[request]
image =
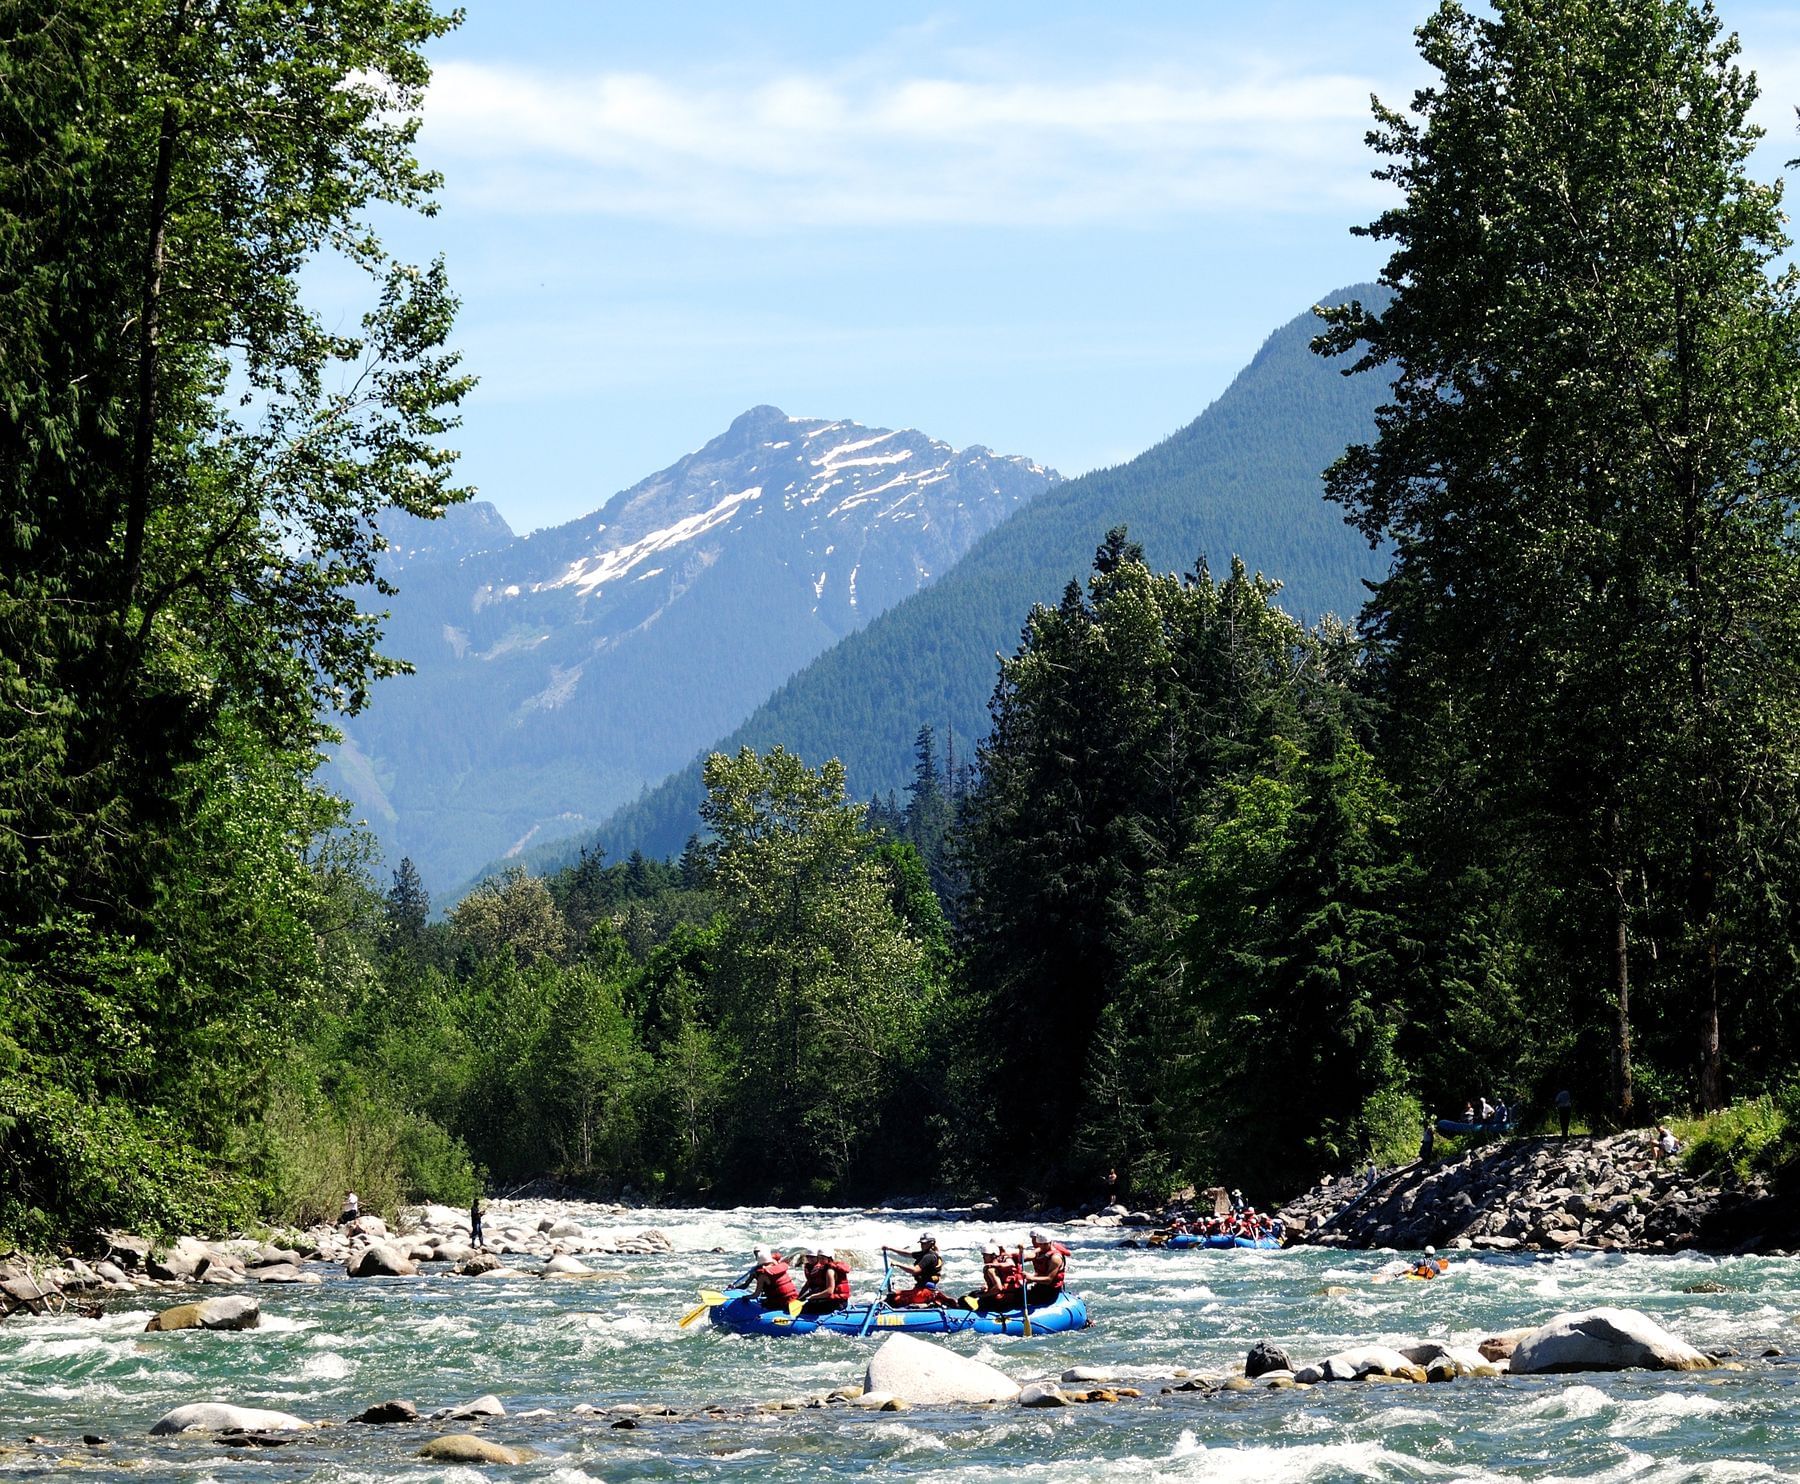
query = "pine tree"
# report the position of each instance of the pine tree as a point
(1594, 614)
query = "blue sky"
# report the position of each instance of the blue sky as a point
(1056, 229)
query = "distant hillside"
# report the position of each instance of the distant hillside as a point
(560, 673)
(1242, 478)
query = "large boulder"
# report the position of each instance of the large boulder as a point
(1265, 1357)
(235, 1312)
(223, 1417)
(567, 1267)
(1605, 1340)
(924, 1374)
(464, 1447)
(483, 1406)
(380, 1261)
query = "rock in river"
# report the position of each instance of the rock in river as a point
(380, 1261)
(220, 1313)
(463, 1447)
(223, 1417)
(1605, 1340)
(1265, 1357)
(928, 1375)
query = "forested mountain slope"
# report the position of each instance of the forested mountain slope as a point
(560, 673)
(1242, 479)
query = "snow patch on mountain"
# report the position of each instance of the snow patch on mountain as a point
(590, 574)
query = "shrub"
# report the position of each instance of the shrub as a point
(75, 1167)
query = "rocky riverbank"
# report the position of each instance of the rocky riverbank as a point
(519, 1237)
(1542, 1194)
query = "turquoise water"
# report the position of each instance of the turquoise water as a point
(327, 1352)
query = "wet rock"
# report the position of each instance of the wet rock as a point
(567, 1267)
(129, 1252)
(220, 1313)
(1459, 1360)
(1498, 1347)
(1084, 1373)
(1364, 1360)
(483, 1406)
(462, 1447)
(1605, 1340)
(1706, 1286)
(481, 1262)
(1265, 1357)
(223, 1417)
(383, 1413)
(930, 1375)
(380, 1261)
(1042, 1394)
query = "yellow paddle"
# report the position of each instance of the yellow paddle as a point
(707, 1299)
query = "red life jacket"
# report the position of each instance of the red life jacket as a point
(775, 1275)
(1040, 1266)
(840, 1281)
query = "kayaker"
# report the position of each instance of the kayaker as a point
(999, 1282)
(1430, 1265)
(827, 1286)
(773, 1283)
(927, 1270)
(1049, 1266)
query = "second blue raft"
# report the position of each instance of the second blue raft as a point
(1188, 1239)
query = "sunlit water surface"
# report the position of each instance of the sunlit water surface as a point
(328, 1352)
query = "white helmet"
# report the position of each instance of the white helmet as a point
(761, 1254)
(990, 1249)
(1431, 1252)
(1038, 1237)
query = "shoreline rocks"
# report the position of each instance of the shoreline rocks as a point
(1511, 1194)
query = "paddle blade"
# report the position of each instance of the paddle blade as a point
(691, 1315)
(709, 1298)
(794, 1308)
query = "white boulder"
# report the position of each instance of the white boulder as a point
(924, 1374)
(223, 1417)
(1354, 1364)
(567, 1267)
(1605, 1340)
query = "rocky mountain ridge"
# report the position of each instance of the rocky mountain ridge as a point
(560, 672)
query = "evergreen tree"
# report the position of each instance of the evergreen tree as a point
(1584, 475)
(408, 907)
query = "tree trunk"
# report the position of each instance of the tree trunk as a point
(149, 358)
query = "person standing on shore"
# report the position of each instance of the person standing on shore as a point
(1563, 1104)
(1427, 1140)
(475, 1237)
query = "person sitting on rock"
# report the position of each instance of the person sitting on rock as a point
(771, 1280)
(1000, 1288)
(926, 1269)
(1667, 1145)
(827, 1286)
(1049, 1266)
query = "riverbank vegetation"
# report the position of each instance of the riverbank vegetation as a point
(1222, 898)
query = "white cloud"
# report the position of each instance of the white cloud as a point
(860, 148)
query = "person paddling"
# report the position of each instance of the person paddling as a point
(773, 1283)
(927, 1270)
(1049, 1266)
(1000, 1287)
(827, 1286)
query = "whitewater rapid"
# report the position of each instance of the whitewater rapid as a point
(547, 1348)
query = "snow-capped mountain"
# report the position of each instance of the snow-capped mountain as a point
(561, 672)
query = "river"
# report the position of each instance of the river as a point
(329, 1351)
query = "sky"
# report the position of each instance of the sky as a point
(1055, 229)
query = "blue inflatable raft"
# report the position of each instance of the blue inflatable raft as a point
(1190, 1239)
(743, 1315)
